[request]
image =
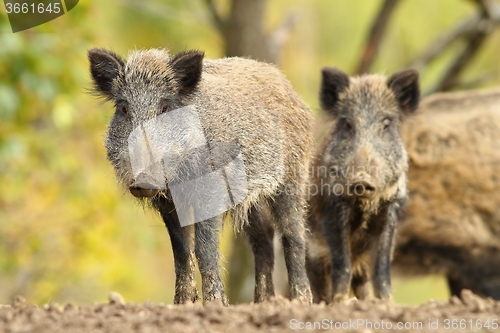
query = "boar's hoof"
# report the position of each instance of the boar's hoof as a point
(340, 298)
(140, 192)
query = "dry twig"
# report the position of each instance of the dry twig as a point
(375, 37)
(474, 31)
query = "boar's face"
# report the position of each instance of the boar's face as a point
(149, 84)
(364, 153)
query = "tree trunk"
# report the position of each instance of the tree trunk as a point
(244, 32)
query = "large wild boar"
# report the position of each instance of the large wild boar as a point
(191, 128)
(452, 225)
(359, 183)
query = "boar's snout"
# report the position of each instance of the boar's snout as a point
(140, 192)
(145, 186)
(362, 185)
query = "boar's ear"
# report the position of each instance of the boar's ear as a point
(333, 82)
(187, 68)
(405, 86)
(105, 66)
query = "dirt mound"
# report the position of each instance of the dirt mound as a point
(470, 314)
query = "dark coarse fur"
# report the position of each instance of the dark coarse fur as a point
(452, 225)
(358, 191)
(238, 101)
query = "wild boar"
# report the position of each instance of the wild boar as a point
(358, 191)
(452, 226)
(192, 128)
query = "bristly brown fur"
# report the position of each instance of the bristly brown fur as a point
(453, 220)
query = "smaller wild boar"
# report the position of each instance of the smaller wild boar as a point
(190, 128)
(358, 192)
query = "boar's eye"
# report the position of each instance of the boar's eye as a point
(164, 109)
(347, 125)
(387, 122)
(121, 108)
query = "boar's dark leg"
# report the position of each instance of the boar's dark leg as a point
(455, 285)
(183, 248)
(289, 213)
(207, 253)
(261, 233)
(384, 249)
(336, 230)
(319, 274)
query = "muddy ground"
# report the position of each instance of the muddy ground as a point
(471, 314)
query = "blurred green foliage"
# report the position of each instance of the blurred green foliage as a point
(68, 232)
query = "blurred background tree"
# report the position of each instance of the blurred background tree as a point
(68, 232)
